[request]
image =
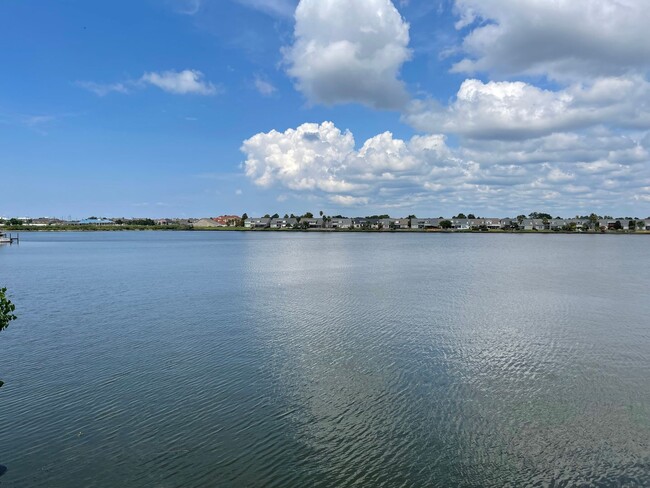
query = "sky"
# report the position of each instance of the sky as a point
(196, 108)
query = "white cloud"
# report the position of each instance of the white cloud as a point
(180, 82)
(348, 201)
(514, 110)
(349, 52)
(264, 87)
(278, 8)
(186, 7)
(559, 172)
(101, 90)
(177, 82)
(562, 39)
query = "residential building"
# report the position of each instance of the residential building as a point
(424, 224)
(533, 224)
(257, 223)
(395, 224)
(227, 220)
(313, 223)
(284, 223)
(337, 223)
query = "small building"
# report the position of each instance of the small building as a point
(311, 223)
(556, 224)
(284, 223)
(227, 220)
(614, 224)
(395, 224)
(493, 223)
(340, 223)
(533, 224)
(257, 223)
(425, 224)
(362, 223)
(463, 224)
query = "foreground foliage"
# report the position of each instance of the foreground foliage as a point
(6, 313)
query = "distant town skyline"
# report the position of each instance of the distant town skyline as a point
(196, 108)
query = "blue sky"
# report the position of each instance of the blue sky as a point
(198, 108)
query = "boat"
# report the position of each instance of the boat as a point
(5, 239)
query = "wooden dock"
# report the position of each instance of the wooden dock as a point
(9, 239)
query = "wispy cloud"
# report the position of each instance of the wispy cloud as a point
(37, 120)
(277, 8)
(186, 7)
(103, 89)
(186, 82)
(264, 87)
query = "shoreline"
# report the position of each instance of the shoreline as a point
(28, 229)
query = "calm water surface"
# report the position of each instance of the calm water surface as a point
(151, 359)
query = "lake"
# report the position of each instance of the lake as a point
(230, 359)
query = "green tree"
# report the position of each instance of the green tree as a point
(460, 216)
(640, 225)
(308, 215)
(275, 216)
(445, 224)
(14, 222)
(471, 216)
(6, 313)
(143, 222)
(243, 219)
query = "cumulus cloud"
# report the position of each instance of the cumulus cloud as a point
(562, 39)
(516, 110)
(184, 82)
(349, 52)
(563, 172)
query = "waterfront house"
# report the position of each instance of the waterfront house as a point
(578, 224)
(492, 223)
(424, 224)
(313, 223)
(206, 224)
(614, 224)
(361, 223)
(339, 223)
(394, 224)
(465, 224)
(257, 223)
(284, 223)
(533, 224)
(227, 220)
